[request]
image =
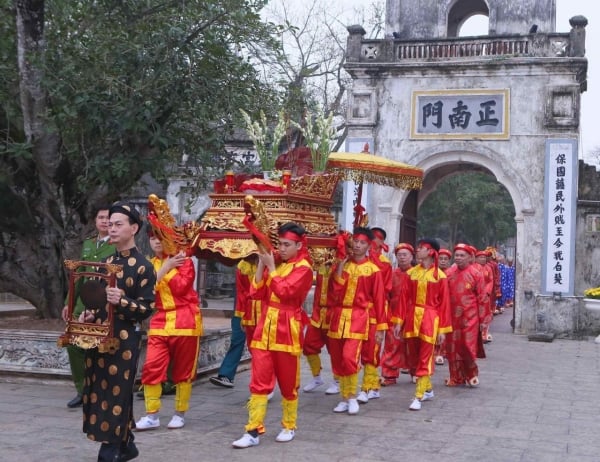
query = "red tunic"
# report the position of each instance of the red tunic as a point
(352, 295)
(425, 304)
(320, 313)
(283, 292)
(177, 307)
(468, 302)
(245, 307)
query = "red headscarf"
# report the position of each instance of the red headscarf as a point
(404, 245)
(466, 247)
(303, 252)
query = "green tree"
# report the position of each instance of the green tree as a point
(470, 207)
(95, 94)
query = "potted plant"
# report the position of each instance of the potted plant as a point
(592, 299)
(265, 143)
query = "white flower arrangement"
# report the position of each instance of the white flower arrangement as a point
(266, 147)
(318, 137)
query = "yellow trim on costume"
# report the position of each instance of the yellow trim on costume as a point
(354, 271)
(169, 329)
(268, 339)
(344, 327)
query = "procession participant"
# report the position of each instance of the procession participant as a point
(109, 377)
(173, 336)
(488, 280)
(425, 317)
(243, 322)
(95, 248)
(356, 285)
(444, 263)
(371, 348)
(469, 305)
(316, 332)
(393, 358)
(507, 284)
(277, 342)
(491, 258)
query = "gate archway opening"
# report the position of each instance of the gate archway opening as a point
(471, 205)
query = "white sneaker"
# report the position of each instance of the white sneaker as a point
(428, 395)
(362, 397)
(315, 383)
(177, 421)
(270, 396)
(246, 441)
(333, 389)
(415, 405)
(373, 394)
(353, 406)
(285, 435)
(341, 407)
(473, 382)
(147, 423)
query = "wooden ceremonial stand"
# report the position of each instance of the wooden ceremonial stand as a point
(93, 295)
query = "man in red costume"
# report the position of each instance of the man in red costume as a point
(246, 307)
(277, 342)
(355, 287)
(243, 322)
(425, 317)
(487, 274)
(445, 264)
(394, 350)
(173, 336)
(469, 304)
(316, 332)
(371, 348)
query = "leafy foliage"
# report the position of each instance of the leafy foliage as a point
(121, 88)
(471, 208)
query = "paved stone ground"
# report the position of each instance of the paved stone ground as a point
(537, 402)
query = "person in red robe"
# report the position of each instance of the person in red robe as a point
(173, 336)
(371, 348)
(277, 342)
(316, 332)
(393, 358)
(446, 265)
(470, 312)
(356, 285)
(247, 308)
(425, 317)
(488, 278)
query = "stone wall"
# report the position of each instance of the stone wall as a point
(36, 353)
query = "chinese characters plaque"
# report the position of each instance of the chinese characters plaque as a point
(560, 205)
(460, 114)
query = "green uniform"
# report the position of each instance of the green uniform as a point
(93, 250)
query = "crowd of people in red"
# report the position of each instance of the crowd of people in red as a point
(372, 316)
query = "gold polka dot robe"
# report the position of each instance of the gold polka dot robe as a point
(109, 378)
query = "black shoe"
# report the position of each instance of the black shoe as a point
(75, 402)
(109, 453)
(221, 381)
(130, 451)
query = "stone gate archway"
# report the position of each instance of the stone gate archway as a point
(455, 160)
(507, 103)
